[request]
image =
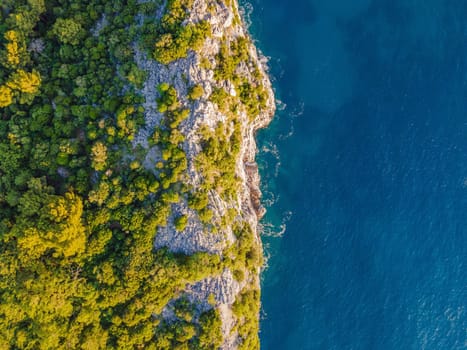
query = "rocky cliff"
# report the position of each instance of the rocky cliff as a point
(246, 104)
(128, 185)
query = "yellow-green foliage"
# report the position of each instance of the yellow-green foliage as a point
(218, 158)
(229, 57)
(172, 46)
(79, 211)
(222, 99)
(15, 56)
(181, 222)
(174, 39)
(195, 92)
(205, 334)
(99, 156)
(251, 92)
(253, 97)
(68, 31)
(13, 48)
(100, 195)
(126, 121)
(246, 308)
(49, 223)
(25, 82)
(6, 96)
(168, 100)
(136, 76)
(20, 82)
(245, 253)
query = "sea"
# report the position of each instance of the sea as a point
(364, 174)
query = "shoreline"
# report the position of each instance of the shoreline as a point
(228, 26)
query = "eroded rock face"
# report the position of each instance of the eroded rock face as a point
(196, 236)
(223, 288)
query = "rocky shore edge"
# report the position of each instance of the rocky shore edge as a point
(227, 26)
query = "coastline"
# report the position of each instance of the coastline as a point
(129, 181)
(227, 26)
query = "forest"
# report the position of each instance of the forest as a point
(79, 211)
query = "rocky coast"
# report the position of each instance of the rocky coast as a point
(198, 69)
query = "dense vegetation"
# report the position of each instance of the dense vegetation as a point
(78, 211)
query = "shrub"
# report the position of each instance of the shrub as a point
(195, 92)
(175, 45)
(181, 222)
(168, 100)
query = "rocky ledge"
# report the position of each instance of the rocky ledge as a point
(199, 69)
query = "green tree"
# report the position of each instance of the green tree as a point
(181, 222)
(6, 96)
(99, 156)
(25, 82)
(68, 31)
(50, 222)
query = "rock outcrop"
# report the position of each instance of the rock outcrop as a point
(198, 69)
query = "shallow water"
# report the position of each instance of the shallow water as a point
(366, 167)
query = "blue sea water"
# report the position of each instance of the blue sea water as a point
(365, 166)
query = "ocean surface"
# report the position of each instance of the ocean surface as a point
(364, 172)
